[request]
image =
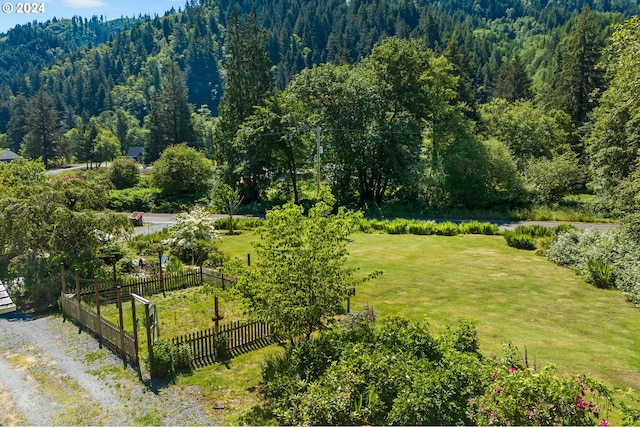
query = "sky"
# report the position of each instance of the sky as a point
(110, 9)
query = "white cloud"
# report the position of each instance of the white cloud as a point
(83, 4)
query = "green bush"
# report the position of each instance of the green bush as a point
(124, 173)
(519, 241)
(397, 373)
(133, 199)
(422, 228)
(160, 361)
(477, 227)
(535, 230)
(600, 273)
(182, 356)
(239, 223)
(448, 229)
(525, 397)
(397, 226)
(221, 347)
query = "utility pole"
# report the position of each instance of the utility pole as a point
(318, 131)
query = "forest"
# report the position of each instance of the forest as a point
(454, 104)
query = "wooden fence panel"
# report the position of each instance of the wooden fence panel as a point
(240, 336)
(120, 342)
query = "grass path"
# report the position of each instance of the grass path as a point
(514, 296)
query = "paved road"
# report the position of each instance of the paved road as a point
(158, 221)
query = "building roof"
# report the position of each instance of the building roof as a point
(135, 151)
(136, 215)
(7, 155)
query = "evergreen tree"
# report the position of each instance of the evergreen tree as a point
(513, 81)
(177, 111)
(42, 126)
(249, 82)
(169, 122)
(579, 75)
(17, 125)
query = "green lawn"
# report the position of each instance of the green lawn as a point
(513, 295)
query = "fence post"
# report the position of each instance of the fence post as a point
(201, 262)
(223, 288)
(99, 319)
(249, 260)
(161, 279)
(148, 327)
(78, 297)
(64, 281)
(135, 333)
(121, 323)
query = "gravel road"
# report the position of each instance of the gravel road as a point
(50, 374)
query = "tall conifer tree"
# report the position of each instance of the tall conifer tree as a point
(579, 75)
(249, 82)
(42, 124)
(513, 81)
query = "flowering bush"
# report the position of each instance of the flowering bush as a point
(524, 397)
(397, 373)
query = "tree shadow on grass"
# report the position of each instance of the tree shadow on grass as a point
(258, 415)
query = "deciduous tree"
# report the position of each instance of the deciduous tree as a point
(182, 170)
(300, 281)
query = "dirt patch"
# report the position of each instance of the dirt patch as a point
(9, 415)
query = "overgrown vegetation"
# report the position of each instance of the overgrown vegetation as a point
(605, 259)
(397, 372)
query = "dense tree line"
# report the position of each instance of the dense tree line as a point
(472, 104)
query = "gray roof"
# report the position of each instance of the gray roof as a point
(135, 151)
(7, 155)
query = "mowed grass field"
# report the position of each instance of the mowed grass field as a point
(513, 296)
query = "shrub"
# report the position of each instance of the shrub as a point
(525, 397)
(125, 265)
(133, 199)
(397, 226)
(422, 227)
(182, 356)
(160, 361)
(600, 273)
(221, 347)
(124, 173)
(564, 249)
(519, 240)
(477, 227)
(605, 259)
(535, 230)
(239, 223)
(448, 229)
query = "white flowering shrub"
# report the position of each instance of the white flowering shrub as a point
(606, 259)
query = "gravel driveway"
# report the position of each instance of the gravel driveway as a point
(50, 374)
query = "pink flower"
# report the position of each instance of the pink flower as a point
(604, 422)
(512, 370)
(494, 375)
(581, 404)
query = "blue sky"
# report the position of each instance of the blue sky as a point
(111, 9)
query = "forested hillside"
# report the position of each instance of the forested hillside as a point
(472, 103)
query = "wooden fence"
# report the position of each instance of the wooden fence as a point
(240, 337)
(213, 278)
(151, 285)
(115, 338)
